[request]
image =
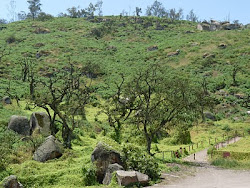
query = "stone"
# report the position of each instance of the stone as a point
(11, 182)
(20, 124)
(222, 46)
(102, 156)
(108, 176)
(208, 55)
(6, 100)
(142, 178)
(170, 54)
(41, 30)
(210, 116)
(248, 112)
(152, 48)
(125, 178)
(40, 121)
(50, 149)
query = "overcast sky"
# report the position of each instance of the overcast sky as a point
(205, 9)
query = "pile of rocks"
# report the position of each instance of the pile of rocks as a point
(108, 161)
(214, 25)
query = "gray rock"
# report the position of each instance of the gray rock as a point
(6, 100)
(19, 124)
(210, 116)
(50, 149)
(152, 48)
(108, 176)
(125, 178)
(142, 178)
(103, 155)
(40, 121)
(11, 182)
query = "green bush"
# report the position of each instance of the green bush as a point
(135, 158)
(89, 175)
(181, 136)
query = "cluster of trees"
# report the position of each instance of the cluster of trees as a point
(153, 98)
(156, 9)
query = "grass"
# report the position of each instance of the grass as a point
(71, 37)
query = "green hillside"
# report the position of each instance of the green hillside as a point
(213, 68)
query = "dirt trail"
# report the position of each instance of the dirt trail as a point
(205, 176)
(201, 156)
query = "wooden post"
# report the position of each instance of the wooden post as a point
(189, 148)
(194, 156)
(209, 141)
(223, 136)
(192, 146)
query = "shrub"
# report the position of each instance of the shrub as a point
(89, 175)
(136, 159)
(181, 136)
(44, 17)
(11, 39)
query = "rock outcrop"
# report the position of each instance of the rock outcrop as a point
(103, 155)
(11, 182)
(214, 25)
(50, 149)
(40, 121)
(19, 124)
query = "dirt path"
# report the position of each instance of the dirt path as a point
(201, 156)
(206, 176)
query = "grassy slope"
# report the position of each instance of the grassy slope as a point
(70, 37)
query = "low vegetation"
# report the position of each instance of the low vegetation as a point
(142, 85)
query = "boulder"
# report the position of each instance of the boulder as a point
(6, 100)
(50, 149)
(41, 30)
(103, 155)
(125, 178)
(40, 121)
(19, 124)
(170, 54)
(108, 176)
(152, 48)
(222, 46)
(208, 55)
(11, 182)
(210, 116)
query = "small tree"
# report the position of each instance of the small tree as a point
(156, 9)
(34, 7)
(66, 94)
(159, 100)
(98, 6)
(138, 11)
(192, 17)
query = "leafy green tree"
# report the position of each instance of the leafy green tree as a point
(34, 8)
(64, 94)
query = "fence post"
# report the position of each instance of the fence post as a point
(194, 156)
(209, 141)
(189, 148)
(192, 146)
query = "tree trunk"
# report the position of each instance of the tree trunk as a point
(66, 135)
(149, 141)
